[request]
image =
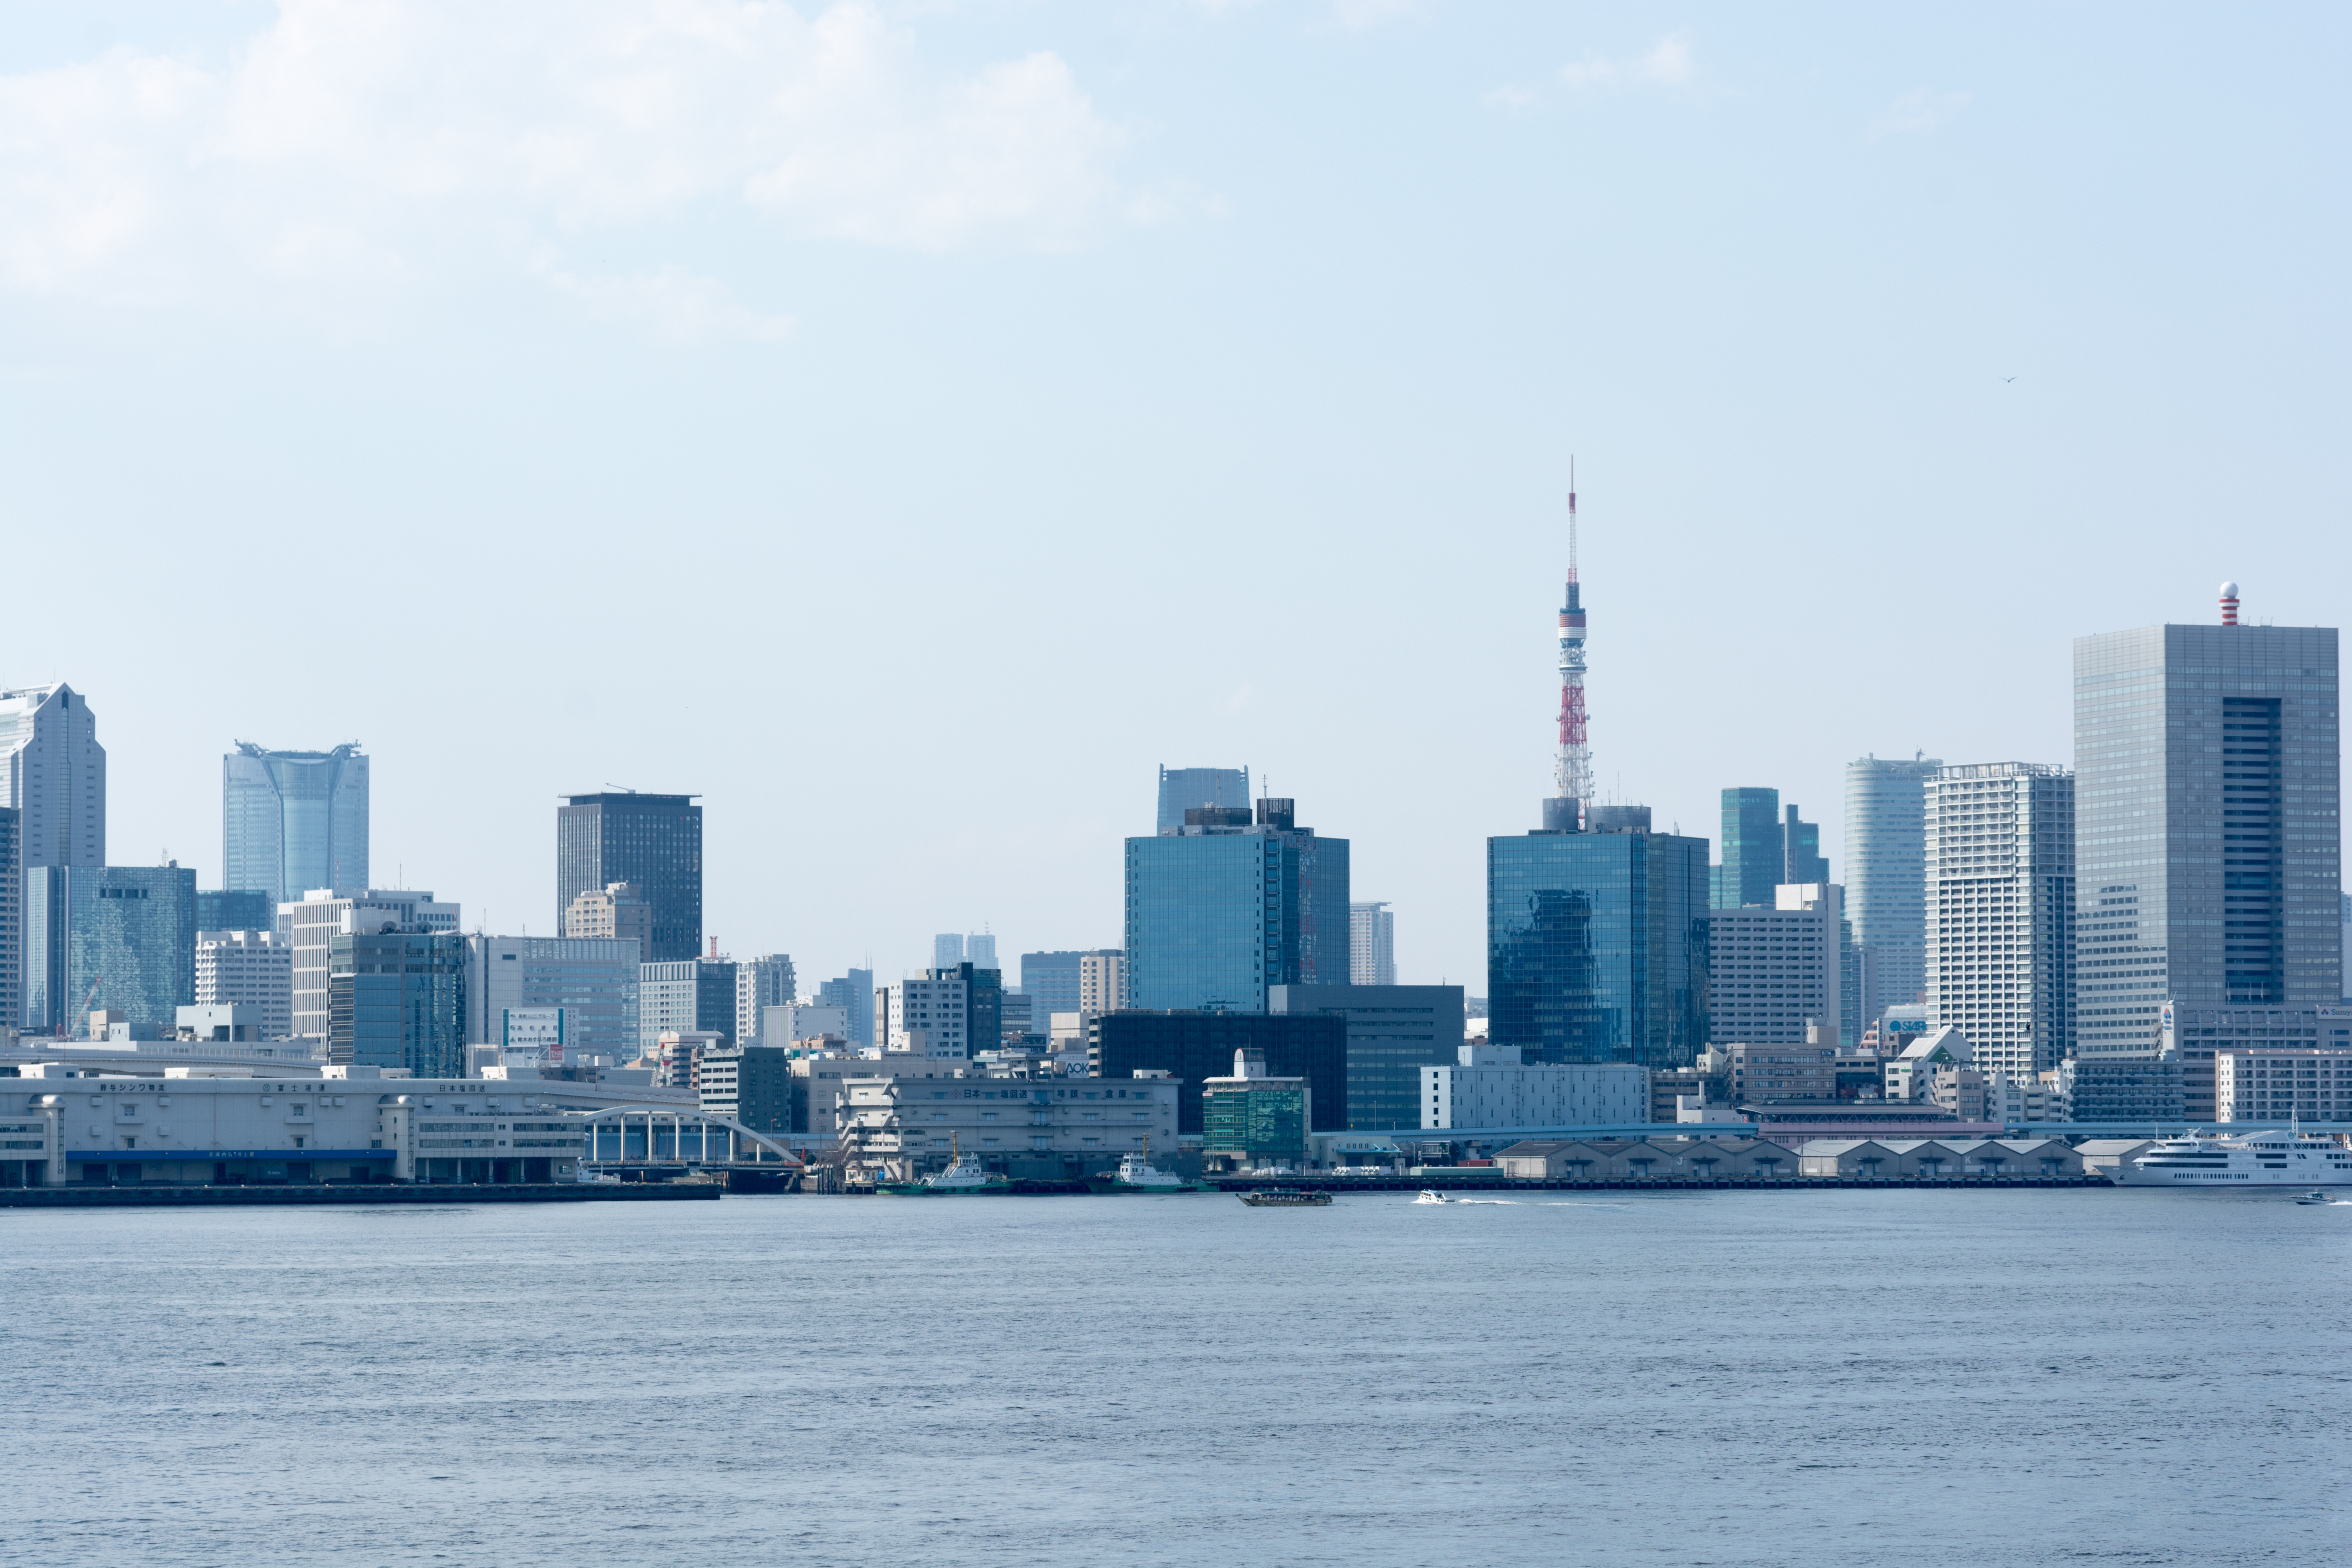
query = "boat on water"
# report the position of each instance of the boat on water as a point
(1429, 1196)
(1277, 1198)
(1137, 1173)
(965, 1176)
(2292, 1158)
(2315, 1197)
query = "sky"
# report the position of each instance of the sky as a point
(907, 427)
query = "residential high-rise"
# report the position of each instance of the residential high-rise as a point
(760, 983)
(1773, 973)
(249, 966)
(2208, 848)
(932, 1015)
(652, 841)
(2001, 927)
(293, 821)
(684, 996)
(1597, 946)
(311, 926)
(1102, 982)
(594, 980)
(396, 997)
(121, 938)
(1222, 907)
(853, 994)
(234, 908)
(53, 771)
(611, 913)
(1184, 789)
(1754, 858)
(1371, 945)
(1886, 876)
(1801, 858)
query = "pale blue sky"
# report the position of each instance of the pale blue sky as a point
(906, 425)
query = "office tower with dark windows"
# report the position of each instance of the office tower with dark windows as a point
(1192, 1046)
(685, 995)
(1393, 1032)
(652, 841)
(1226, 904)
(2000, 913)
(853, 994)
(117, 938)
(1886, 877)
(1371, 948)
(12, 922)
(2208, 847)
(1801, 858)
(294, 821)
(1597, 946)
(1753, 856)
(396, 998)
(235, 909)
(1186, 789)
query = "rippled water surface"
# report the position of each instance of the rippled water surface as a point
(1822, 1378)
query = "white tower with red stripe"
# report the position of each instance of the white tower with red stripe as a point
(1573, 776)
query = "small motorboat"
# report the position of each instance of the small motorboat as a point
(2314, 1197)
(1430, 1197)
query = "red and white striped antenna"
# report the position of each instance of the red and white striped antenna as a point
(1573, 775)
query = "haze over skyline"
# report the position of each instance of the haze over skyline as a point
(907, 427)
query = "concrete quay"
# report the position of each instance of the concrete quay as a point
(370, 1194)
(1450, 1183)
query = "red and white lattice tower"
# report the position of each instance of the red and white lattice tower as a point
(1575, 769)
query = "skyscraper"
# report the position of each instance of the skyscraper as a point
(947, 949)
(1800, 851)
(654, 841)
(594, 980)
(760, 984)
(234, 908)
(1223, 906)
(12, 920)
(685, 995)
(396, 997)
(53, 770)
(1187, 788)
(251, 966)
(2208, 847)
(1754, 858)
(294, 821)
(1372, 946)
(1886, 876)
(312, 924)
(853, 994)
(1771, 973)
(1102, 982)
(122, 938)
(2001, 924)
(980, 950)
(1597, 946)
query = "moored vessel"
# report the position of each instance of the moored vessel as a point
(965, 1176)
(1137, 1173)
(2292, 1158)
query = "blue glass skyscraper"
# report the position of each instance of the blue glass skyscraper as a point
(121, 938)
(1597, 946)
(1223, 905)
(293, 821)
(1184, 789)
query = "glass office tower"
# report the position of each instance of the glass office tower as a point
(235, 909)
(1597, 947)
(1223, 905)
(294, 821)
(396, 998)
(654, 841)
(1754, 856)
(121, 938)
(2207, 849)
(1181, 789)
(1886, 878)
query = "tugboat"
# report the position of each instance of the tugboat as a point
(1138, 1174)
(963, 1178)
(1285, 1198)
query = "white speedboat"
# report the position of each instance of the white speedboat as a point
(1427, 1196)
(2254, 1159)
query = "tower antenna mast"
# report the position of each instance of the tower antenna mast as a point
(1573, 775)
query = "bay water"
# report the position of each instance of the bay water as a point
(1816, 1377)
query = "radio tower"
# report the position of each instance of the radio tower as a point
(1573, 775)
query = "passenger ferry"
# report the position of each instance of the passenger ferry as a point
(2290, 1159)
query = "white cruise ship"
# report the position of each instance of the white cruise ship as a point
(2274, 1159)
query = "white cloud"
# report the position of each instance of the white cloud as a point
(361, 144)
(1915, 113)
(1667, 63)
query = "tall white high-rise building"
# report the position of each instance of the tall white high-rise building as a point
(2001, 949)
(311, 927)
(762, 983)
(53, 770)
(253, 967)
(1885, 871)
(928, 1015)
(1773, 972)
(1102, 982)
(1371, 944)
